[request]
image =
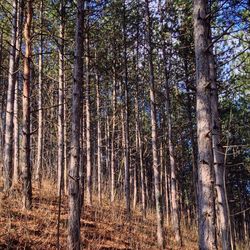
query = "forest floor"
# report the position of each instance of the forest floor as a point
(102, 227)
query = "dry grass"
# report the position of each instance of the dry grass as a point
(102, 227)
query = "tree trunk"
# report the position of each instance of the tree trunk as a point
(88, 121)
(26, 163)
(174, 200)
(113, 135)
(218, 156)
(99, 140)
(126, 120)
(40, 105)
(206, 219)
(16, 173)
(60, 181)
(8, 140)
(158, 198)
(74, 194)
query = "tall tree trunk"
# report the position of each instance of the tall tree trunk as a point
(207, 236)
(126, 120)
(158, 198)
(174, 200)
(16, 172)
(88, 118)
(40, 105)
(218, 156)
(99, 140)
(113, 135)
(26, 163)
(60, 181)
(8, 140)
(74, 192)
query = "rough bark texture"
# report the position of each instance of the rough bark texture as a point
(73, 189)
(206, 220)
(218, 155)
(158, 198)
(8, 146)
(26, 164)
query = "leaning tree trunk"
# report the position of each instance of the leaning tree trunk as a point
(73, 183)
(158, 198)
(60, 177)
(218, 154)
(8, 146)
(206, 221)
(26, 163)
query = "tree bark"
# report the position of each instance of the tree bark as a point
(206, 221)
(8, 140)
(40, 105)
(218, 157)
(60, 181)
(26, 163)
(74, 192)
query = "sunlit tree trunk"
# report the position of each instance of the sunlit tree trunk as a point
(8, 140)
(125, 116)
(99, 140)
(218, 156)
(74, 192)
(40, 105)
(158, 198)
(16, 173)
(26, 163)
(206, 219)
(88, 120)
(60, 181)
(113, 136)
(174, 201)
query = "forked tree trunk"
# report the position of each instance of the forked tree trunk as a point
(26, 163)
(77, 96)
(206, 219)
(8, 140)
(158, 198)
(40, 105)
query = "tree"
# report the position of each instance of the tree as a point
(73, 188)
(206, 220)
(158, 198)
(26, 164)
(8, 146)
